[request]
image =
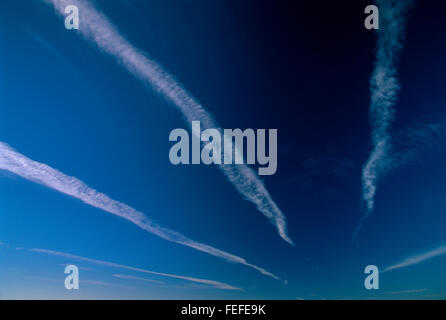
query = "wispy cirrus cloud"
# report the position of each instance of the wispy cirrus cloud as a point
(18, 164)
(384, 88)
(418, 258)
(95, 27)
(411, 144)
(416, 141)
(419, 139)
(216, 284)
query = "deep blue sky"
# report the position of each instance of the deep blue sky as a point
(303, 69)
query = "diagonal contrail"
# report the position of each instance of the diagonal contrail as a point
(125, 276)
(16, 163)
(96, 28)
(418, 258)
(384, 87)
(216, 284)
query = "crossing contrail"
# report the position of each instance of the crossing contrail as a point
(384, 87)
(18, 164)
(95, 27)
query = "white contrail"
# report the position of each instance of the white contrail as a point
(125, 276)
(384, 87)
(407, 291)
(96, 28)
(16, 163)
(418, 258)
(216, 284)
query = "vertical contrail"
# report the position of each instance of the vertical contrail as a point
(96, 28)
(384, 87)
(18, 164)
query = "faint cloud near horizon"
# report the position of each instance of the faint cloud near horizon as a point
(407, 291)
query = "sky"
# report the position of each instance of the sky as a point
(139, 227)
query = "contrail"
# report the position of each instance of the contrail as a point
(384, 87)
(418, 258)
(407, 291)
(216, 284)
(16, 163)
(95, 27)
(125, 276)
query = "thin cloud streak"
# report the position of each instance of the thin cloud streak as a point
(407, 291)
(95, 27)
(124, 276)
(384, 88)
(40, 173)
(416, 259)
(216, 284)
